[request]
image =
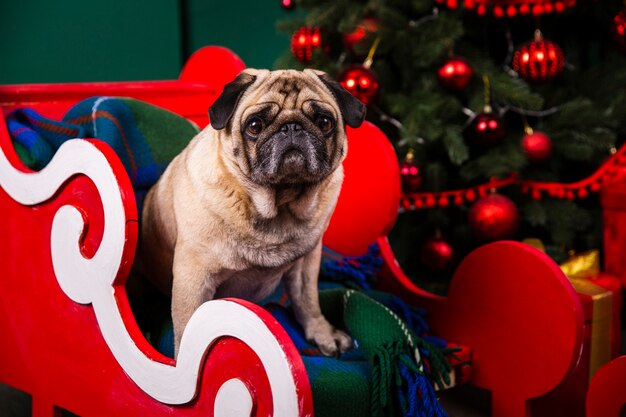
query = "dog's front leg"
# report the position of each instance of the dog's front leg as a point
(301, 284)
(194, 283)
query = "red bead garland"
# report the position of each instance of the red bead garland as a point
(511, 8)
(613, 170)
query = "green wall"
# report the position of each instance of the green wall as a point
(245, 26)
(114, 40)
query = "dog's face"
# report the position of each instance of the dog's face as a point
(285, 127)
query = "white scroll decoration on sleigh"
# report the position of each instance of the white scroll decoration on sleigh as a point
(90, 281)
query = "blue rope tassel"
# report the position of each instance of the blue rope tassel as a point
(353, 271)
(416, 393)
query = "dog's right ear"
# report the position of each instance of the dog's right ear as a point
(222, 110)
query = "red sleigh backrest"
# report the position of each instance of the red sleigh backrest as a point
(190, 95)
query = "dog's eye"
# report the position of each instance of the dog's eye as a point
(254, 126)
(325, 123)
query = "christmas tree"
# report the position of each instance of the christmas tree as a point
(505, 115)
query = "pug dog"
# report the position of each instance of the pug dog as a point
(246, 203)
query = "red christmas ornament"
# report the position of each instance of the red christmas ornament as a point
(368, 25)
(485, 130)
(618, 29)
(288, 4)
(361, 82)
(410, 175)
(437, 254)
(493, 217)
(537, 146)
(455, 74)
(303, 41)
(539, 60)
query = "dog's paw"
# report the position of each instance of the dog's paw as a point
(329, 340)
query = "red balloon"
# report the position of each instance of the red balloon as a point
(539, 60)
(537, 146)
(437, 255)
(361, 82)
(494, 217)
(455, 74)
(486, 130)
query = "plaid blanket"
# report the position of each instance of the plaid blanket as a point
(145, 137)
(394, 364)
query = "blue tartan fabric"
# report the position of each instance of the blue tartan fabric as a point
(145, 137)
(345, 385)
(351, 271)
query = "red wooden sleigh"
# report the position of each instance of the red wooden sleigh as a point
(68, 237)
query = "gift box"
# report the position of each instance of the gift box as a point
(601, 299)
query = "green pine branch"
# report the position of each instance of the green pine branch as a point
(583, 111)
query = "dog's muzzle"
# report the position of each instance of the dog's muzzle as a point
(293, 155)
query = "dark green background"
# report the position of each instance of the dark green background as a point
(115, 40)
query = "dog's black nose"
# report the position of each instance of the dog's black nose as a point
(294, 127)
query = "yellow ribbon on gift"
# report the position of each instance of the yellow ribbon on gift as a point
(581, 269)
(585, 265)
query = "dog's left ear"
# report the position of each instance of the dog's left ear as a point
(352, 109)
(222, 110)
